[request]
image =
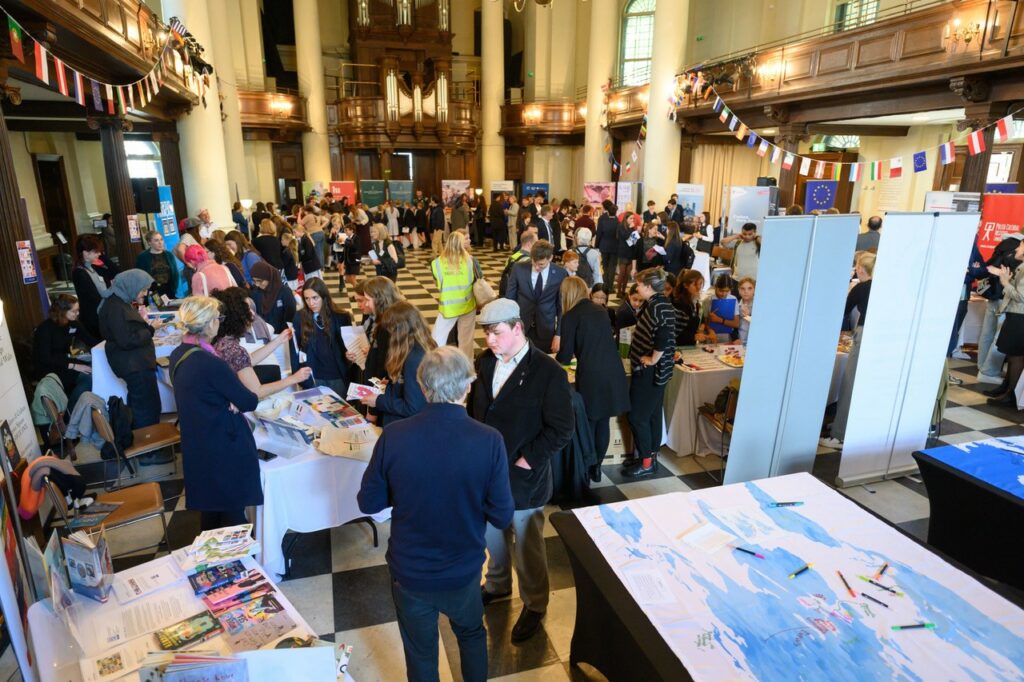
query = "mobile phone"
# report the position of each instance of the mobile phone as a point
(265, 456)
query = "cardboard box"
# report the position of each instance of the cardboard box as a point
(620, 441)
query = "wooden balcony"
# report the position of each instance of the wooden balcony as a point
(542, 123)
(363, 123)
(275, 116)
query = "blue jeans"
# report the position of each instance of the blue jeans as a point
(990, 360)
(417, 622)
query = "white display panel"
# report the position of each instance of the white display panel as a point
(922, 258)
(791, 350)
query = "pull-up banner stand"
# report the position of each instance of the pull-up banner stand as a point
(915, 290)
(791, 349)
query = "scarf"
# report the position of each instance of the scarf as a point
(127, 285)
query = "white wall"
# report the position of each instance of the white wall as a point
(259, 169)
(462, 12)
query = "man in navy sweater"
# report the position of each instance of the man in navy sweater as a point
(436, 548)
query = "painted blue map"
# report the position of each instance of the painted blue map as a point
(730, 615)
(996, 461)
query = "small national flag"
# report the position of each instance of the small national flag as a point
(1003, 128)
(16, 42)
(734, 122)
(855, 170)
(79, 88)
(141, 85)
(607, 147)
(718, 104)
(723, 115)
(805, 165)
(62, 76)
(762, 148)
(920, 162)
(751, 140)
(875, 172)
(741, 132)
(947, 153)
(787, 162)
(152, 78)
(97, 98)
(121, 100)
(819, 169)
(131, 97)
(776, 154)
(42, 66)
(976, 142)
(896, 167)
(634, 156)
(110, 97)
(837, 171)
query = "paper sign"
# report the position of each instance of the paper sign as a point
(706, 537)
(28, 265)
(356, 342)
(648, 587)
(133, 228)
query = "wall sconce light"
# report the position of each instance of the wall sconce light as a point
(280, 107)
(583, 111)
(964, 33)
(645, 95)
(531, 115)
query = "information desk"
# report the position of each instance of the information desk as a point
(691, 387)
(57, 652)
(105, 383)
(662, 593)
(976, 494)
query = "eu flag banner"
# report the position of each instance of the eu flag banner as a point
(821, 194)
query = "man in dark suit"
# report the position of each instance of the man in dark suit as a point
(548, 228)
(674, 210)
(524, 394)
(535, 287)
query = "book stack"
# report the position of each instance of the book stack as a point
(90, 570)
(245, 603)
(213, 547)
(201, 666)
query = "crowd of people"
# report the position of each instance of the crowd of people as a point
(511, 406)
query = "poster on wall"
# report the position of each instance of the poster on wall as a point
(344, 188)
(452, 189)
(1001, 214)
(946, 202)
(29, 274)
(691, 198)
(535, 188)
(314, 187)
(371, 192)
(596, 193)
(134, 232)
(624, 194)
(13, 403)
(400, 190)
(748, 205)
(167, 225)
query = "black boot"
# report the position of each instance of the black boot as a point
(998, 390)
(1008, 400)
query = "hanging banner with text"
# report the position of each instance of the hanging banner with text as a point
(1001, 214)
(344, 188)
(371, 192)
(314, 188)
(535, 188)
(400, 190)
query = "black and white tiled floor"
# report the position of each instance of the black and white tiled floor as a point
(340, 582)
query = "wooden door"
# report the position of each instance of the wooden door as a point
(54, 197)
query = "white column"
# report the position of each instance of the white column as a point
(604, 28)
(253, 31)
(316, 155)
(492, 91)
(661, 162)
(222, 54)
(203, 160)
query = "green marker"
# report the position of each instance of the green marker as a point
(915, 626)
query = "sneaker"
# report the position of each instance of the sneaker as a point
(960, 355)
(831, 442)
(953, 381)
(989, 379)
(638, 470)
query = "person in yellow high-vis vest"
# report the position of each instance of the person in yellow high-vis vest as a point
(454, 274)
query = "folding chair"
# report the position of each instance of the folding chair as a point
(721, 422)
(57, 423)
(147, 439)
(138, 503)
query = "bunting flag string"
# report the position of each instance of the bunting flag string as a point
(697, 89)
(118, 97)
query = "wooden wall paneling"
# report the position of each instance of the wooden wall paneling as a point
(799, 66)
(835, 59)
(115, 17)
(287, 161)
(424, 172)
(923, 40)
(132, 32)
(93, 7)
(876, 50)
(368, 166)
(515, 163)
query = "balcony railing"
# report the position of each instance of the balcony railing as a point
(272, 110)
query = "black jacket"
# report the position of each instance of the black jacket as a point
(308, 256)
(325, 354)
(283, 310)
(269, 247)
(541, 318)
(51, 350)
(607, 228)
(600, 377)
(403, 398)
(129, 338)
(436, 218)
(533, 411)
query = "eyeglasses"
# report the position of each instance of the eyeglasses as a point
(221, 318)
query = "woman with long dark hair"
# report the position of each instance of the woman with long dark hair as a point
(91, 279)
(318, 326)
(57, 341)
(690, 329)
(374, 296)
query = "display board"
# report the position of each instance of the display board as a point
(400, 190)
(532, 188)
(371, 192)
(452, 189)
(1001, 214)
(791, 347)
(596, 193)
(820, 195)
(915, 290)
(343, 188)
(626, 192)
(167, 225)
(748, 205)
(947, 202)
(691, 198)
(314, 187)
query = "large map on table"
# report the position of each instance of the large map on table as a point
(996, 461)
(728, 614)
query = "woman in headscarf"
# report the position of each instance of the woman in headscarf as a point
(275, 302)
(129, 338)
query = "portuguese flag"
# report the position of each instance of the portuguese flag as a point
(16, 47)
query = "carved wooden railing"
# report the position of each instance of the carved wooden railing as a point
(272, 110)
(539, 122)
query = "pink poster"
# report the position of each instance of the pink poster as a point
(344, 188)
(595, 193)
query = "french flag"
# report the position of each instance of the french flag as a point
(947, 153)
(976, 142)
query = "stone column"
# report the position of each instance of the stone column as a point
(204, 160)
(222, 56)
(22, 309)
(603, 29)
(253, 33)
(492, 94)
(119, 187)
(788, 140)
(316, 155)
(661, 160)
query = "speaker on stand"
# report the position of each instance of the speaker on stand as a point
(147, 197)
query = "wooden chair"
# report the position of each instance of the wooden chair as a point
(721, 422)
(147, 439)
(138, 503)
(723, 254)
(57, 424)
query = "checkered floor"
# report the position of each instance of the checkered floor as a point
(340, 582)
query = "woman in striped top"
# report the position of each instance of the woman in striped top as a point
(650, 356)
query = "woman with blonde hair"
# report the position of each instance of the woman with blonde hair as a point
(600, 377)
(383, 253)
(408, 341)
(290, 258)
(454, 275)
(222, 473)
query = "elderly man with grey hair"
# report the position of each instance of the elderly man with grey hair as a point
(446, 477)
(590, 258)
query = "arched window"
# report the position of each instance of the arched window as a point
(637, 42)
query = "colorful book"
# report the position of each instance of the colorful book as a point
(158, 667)
(218, 576)
(192, 630)
(90, 569)
(256, 623)
(247, 581)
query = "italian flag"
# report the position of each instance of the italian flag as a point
(16, 44)
(855, 171)
(875, 172)
(1004, 127)
(723, 116)
(42, 66)
(976, 142)
(120, 99)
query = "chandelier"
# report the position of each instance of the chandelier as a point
(520, 5)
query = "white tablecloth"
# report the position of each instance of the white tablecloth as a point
(105, 383)
(689, 389)
(57, 652)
